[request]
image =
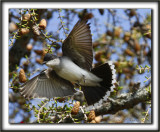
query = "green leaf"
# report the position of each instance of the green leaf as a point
(140, 71)
(44, 108)
(25, 20)
(137, 66)
(26, 57)
(120, 87)
(67, 111)
(23, 26)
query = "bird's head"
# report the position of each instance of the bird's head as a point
(51, 60)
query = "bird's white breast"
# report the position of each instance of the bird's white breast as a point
(70, 71)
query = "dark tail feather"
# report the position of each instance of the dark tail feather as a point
(96, 95)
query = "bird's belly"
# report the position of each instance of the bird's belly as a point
(79, 76)
(70, 74)
(74, 73)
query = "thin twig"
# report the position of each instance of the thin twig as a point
(62, 22)
(53, 42)
(85, 116)
(143, 68)
(15, 34)
(39, 111)
(144, 119)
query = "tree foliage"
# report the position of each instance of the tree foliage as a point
(35, 32)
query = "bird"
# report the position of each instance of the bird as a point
(73, 67)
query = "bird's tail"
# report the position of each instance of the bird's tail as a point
(96, 95)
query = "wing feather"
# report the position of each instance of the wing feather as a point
(41, 86)
(78, 45)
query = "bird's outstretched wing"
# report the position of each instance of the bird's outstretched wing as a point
(47, 84)
(78, 45)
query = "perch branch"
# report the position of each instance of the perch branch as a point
(124, 101)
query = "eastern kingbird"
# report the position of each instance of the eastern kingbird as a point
(75, 66)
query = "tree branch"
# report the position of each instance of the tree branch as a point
(18, 49)
(124, 101)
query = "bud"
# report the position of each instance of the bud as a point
(88, 16)
(61, 99)
(12, 27)
(117, 64)
(137, 46)
(108, 55)
(117, 32)
(129, 52)
(127, 77)
(93, 121)
(101, 11)
(126, 70)
(44, 52)
(40, 61)
(148, 27)
(98, 55)
(22, 76)
(24, 31)
(75, 108)
(96, 44)
(36, 30)
(144, 52)
(43, 24)
(26, 63)
(131, 84)
(98, 119)
(91, 115)
(132, 12)
(109, 33)
(39, 52)
(148, 35)
(127, 36)
(29, 47)
(27, 17)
